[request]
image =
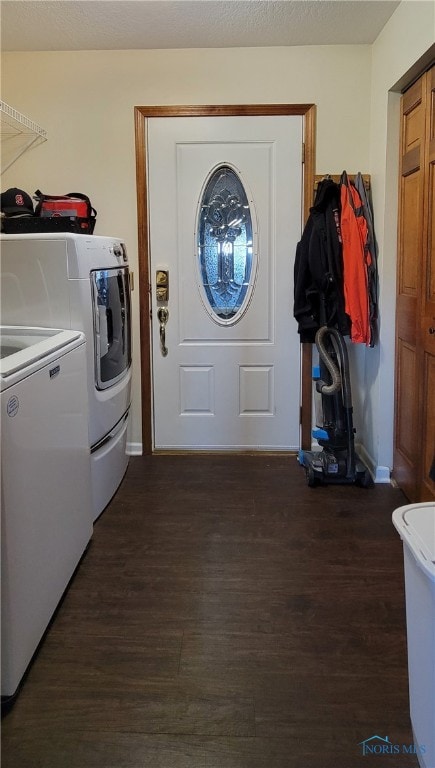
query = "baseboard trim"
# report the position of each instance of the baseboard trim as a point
(379, 473)
(134, 449)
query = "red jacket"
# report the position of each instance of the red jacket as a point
(356, 258)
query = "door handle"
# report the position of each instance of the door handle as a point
(163, 314)
(432, 330)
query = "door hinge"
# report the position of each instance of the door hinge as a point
(303, 152)
(300, 414)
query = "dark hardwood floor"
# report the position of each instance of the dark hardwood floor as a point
(225, 615)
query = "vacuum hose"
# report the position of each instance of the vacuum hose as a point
(327, 389)
(338, 379)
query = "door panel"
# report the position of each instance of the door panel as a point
(407, 421)
(411, 233)
(234, 385)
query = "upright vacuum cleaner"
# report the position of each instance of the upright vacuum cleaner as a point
(337, 461)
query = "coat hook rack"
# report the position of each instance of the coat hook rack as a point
(336, 177)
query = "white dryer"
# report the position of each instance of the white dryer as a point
(66, 280)
(46, 515)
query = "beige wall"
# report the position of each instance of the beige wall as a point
(85, 102)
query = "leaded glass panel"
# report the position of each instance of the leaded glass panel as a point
(225, 244)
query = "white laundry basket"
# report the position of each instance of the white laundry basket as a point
(416, 526)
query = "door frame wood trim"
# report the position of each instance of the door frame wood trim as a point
(141, 116)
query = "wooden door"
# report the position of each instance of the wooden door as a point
(427, 319)
(415, 318)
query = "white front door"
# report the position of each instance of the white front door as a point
(230, 379)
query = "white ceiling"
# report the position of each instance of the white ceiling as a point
(53, 25)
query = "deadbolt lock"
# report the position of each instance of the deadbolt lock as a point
(162, 285)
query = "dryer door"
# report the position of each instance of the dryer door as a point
(111, 306)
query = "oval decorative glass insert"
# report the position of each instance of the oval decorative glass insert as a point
(225, 244)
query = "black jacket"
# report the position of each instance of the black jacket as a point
(318, 270)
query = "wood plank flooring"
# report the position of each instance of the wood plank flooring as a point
(225, 615)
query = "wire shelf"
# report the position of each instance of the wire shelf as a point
(17, 133)
(14, 122)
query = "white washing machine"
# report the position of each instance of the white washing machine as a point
(45, 484)
(66, 280)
